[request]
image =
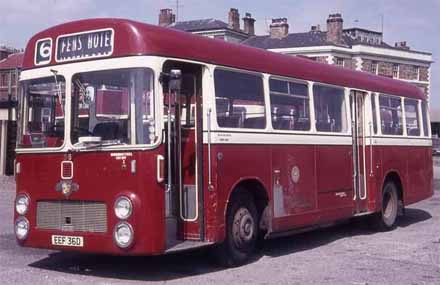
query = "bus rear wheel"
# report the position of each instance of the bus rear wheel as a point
(241, 231)
(386, 219)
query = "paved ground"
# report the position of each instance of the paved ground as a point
(345, 254)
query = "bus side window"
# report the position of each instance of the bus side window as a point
(289, 105)
(239, 100)
(425, 119)
(390, 115)
(330, 112)
(412, 117)
(373, 109)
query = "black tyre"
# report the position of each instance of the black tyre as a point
(386, 219)
(241, 231)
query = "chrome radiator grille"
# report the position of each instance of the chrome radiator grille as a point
(83, 216)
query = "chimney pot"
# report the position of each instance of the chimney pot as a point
(279, 28)
(248, 24)
(166, 17)
(234, 19)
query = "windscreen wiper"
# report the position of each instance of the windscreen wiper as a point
(95, 145)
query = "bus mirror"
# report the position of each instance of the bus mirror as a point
(175, 83)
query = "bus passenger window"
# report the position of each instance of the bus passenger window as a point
(412, 117)
(289, 103)
(239, 100)
(425, 119)
(373, 112)
(330, 112)
(390, 115)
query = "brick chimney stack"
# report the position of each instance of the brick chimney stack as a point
(279, 28)
(402, 45)
(334, 28)
(316, 28)
(248, 23)
(234, 19)
(166, 17)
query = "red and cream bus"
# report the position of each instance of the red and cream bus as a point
(140, 140)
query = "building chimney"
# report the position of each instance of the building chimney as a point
(279, 28)
(248, 24)
(166, 17)
(316, 28)
(334, 28)
(234, 19)
(401, 45)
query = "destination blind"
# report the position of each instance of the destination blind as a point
(85, 45)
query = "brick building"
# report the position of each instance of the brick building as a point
(354, 48)
(9, 88)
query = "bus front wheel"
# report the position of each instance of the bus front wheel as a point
(241, 231)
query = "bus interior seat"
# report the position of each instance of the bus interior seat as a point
(232, 121)
(323, 126)
(255, 123)
(107, 131)
(413, 132)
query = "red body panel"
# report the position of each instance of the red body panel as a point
(103, 178)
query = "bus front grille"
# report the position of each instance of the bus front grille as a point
(82, 216)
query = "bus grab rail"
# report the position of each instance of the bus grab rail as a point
(208, 122)
(371, 148)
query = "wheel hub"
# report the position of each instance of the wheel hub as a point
(243, 227)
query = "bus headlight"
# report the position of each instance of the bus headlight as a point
(123, 207)
(123, 234)
(21, 228)
(22, 204)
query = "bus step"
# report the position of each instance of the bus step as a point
(187, 245)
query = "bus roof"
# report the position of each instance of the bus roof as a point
(135, 38)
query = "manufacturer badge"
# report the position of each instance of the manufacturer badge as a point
(295, 174)
(67, 187)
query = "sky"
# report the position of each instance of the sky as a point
(416, 22)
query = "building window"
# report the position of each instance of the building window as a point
(239, 100)
(390, 115)
(289, 105)
(330, 112)
(339, 61)
(417, 73)
(395, 71)
(374, 67)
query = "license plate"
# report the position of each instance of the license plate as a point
(68, 240)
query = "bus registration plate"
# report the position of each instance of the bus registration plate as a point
(68, 240)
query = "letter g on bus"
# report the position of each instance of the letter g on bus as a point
(43, 51)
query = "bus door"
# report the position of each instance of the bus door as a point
(358, 118)
(182, 103)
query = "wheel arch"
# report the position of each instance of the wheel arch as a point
(255, 187)
(395, 177)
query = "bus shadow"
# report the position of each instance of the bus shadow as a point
(137, 268)
(199, 262)
(355, 227)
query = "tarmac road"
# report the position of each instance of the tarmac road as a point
(346, 254)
